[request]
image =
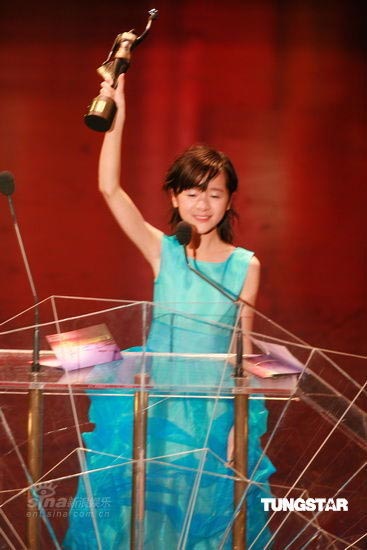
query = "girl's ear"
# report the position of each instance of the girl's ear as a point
(174, 199)
(229, 205)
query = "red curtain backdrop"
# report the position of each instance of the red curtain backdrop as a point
(279, 86)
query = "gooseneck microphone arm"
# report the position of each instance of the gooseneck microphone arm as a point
(7, 188)
(184, 235)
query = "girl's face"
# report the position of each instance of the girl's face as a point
(204, 209)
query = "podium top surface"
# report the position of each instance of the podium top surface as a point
(181, 374)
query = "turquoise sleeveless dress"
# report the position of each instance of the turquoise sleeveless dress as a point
(183, 509)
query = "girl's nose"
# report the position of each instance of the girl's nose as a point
(203, 201)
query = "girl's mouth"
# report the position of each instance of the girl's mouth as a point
(202, 218)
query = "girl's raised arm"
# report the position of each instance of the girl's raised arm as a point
(146, 237)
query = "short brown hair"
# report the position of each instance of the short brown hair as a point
(196, 167)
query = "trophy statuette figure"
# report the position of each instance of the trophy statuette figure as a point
(102, 110)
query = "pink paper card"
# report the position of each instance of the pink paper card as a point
(84, 347)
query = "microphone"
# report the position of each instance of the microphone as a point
(7, 187)
(6, 183)
(184, 234)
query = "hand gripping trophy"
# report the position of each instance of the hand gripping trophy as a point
(103, 109)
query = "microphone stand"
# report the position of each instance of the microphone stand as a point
(35, 411)
(36, 345)
(241, 400)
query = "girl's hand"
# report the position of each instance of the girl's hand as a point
(117, 94)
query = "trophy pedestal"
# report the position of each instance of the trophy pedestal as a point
(101, 114)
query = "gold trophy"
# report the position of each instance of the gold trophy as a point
(102, 110)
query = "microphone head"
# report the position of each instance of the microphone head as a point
(184, 233)
(6, 183)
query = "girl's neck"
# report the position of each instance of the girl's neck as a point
(209, 248)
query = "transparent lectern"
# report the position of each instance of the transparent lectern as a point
(162, 479)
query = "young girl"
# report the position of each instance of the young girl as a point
(200, 183)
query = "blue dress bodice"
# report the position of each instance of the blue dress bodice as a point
(190, 315)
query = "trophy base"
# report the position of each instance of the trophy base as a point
(101, 114)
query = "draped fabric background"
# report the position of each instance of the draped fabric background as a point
(279, 86)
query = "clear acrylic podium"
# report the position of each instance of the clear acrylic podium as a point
(316, 436)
